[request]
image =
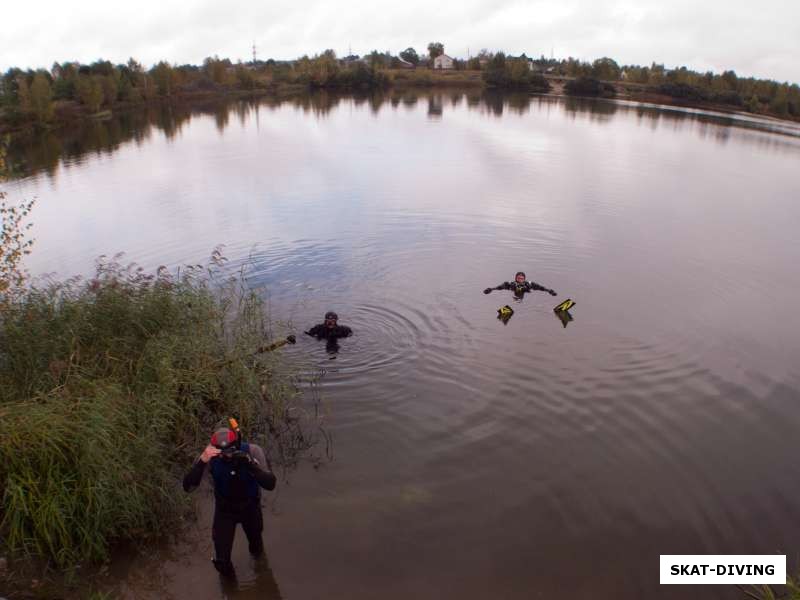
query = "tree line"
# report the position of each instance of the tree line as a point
(36, 96)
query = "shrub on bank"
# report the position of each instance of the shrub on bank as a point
(513, 73)
(588, 86)
(108, 388)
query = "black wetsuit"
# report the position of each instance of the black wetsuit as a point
(237, 497)
(329, 333)
(520, 289)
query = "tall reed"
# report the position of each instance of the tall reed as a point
(108, 387)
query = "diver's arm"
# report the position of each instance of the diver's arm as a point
(314, 331)
(346, 331)
(259, 468)
(503, 286)
(536, 287)
(194, 476)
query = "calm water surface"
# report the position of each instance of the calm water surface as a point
(475, 459)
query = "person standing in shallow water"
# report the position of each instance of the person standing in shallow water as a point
(520, 286)
(239, 471)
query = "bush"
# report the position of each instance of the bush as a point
(587, 86)
(505, 73)
(108, 389)
(683, 91)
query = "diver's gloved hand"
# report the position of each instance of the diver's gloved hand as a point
(552, 293)
(487, 291)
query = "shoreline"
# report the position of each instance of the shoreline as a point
(68, 113)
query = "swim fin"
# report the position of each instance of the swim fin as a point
(504, 313)
(563, 316)
(565, 305)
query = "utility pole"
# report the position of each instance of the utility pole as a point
(254, 53)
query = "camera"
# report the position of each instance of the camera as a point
(236, 454)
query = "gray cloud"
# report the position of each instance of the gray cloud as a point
(715, 34)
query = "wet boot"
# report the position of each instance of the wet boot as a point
(256, 548)
(225, 568)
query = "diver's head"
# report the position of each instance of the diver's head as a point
(330, 319)
(226, 441)
(519, 277)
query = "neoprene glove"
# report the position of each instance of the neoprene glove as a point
(552, 293)
(487, 290)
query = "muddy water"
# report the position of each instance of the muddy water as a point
(474, 459)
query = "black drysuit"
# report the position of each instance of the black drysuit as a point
(520, 289)
(237, 495)
(330, 333)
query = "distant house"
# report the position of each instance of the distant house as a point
(443, 62)
(624, 75)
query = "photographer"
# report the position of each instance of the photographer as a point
(238, 471)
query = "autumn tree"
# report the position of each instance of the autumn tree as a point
(14, 244)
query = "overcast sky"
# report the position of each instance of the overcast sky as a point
(759, 39)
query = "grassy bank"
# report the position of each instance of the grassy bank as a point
(108, 389)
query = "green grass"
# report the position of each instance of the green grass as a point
(109, 388)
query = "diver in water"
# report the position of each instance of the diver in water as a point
(330, 330)
(239, 471)
(520, 286)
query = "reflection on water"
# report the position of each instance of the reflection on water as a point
(33, 153)
(544, 458)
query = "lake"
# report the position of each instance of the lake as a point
(472, 458)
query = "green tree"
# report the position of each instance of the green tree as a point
(730, 79)
(90, 92)
(435, 49)
(779, 105)
(245, 77)
(410, 55)
(165, 78)
(63, 80)
(753, 105)
(41, 97)
(519, 72)
(606, 68)
(110, 85)
(216, 69)
(23, 94)
(495, 73)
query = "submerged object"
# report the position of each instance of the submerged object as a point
(504, 313)
(564, 306)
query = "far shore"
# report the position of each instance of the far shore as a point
(70, 112)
